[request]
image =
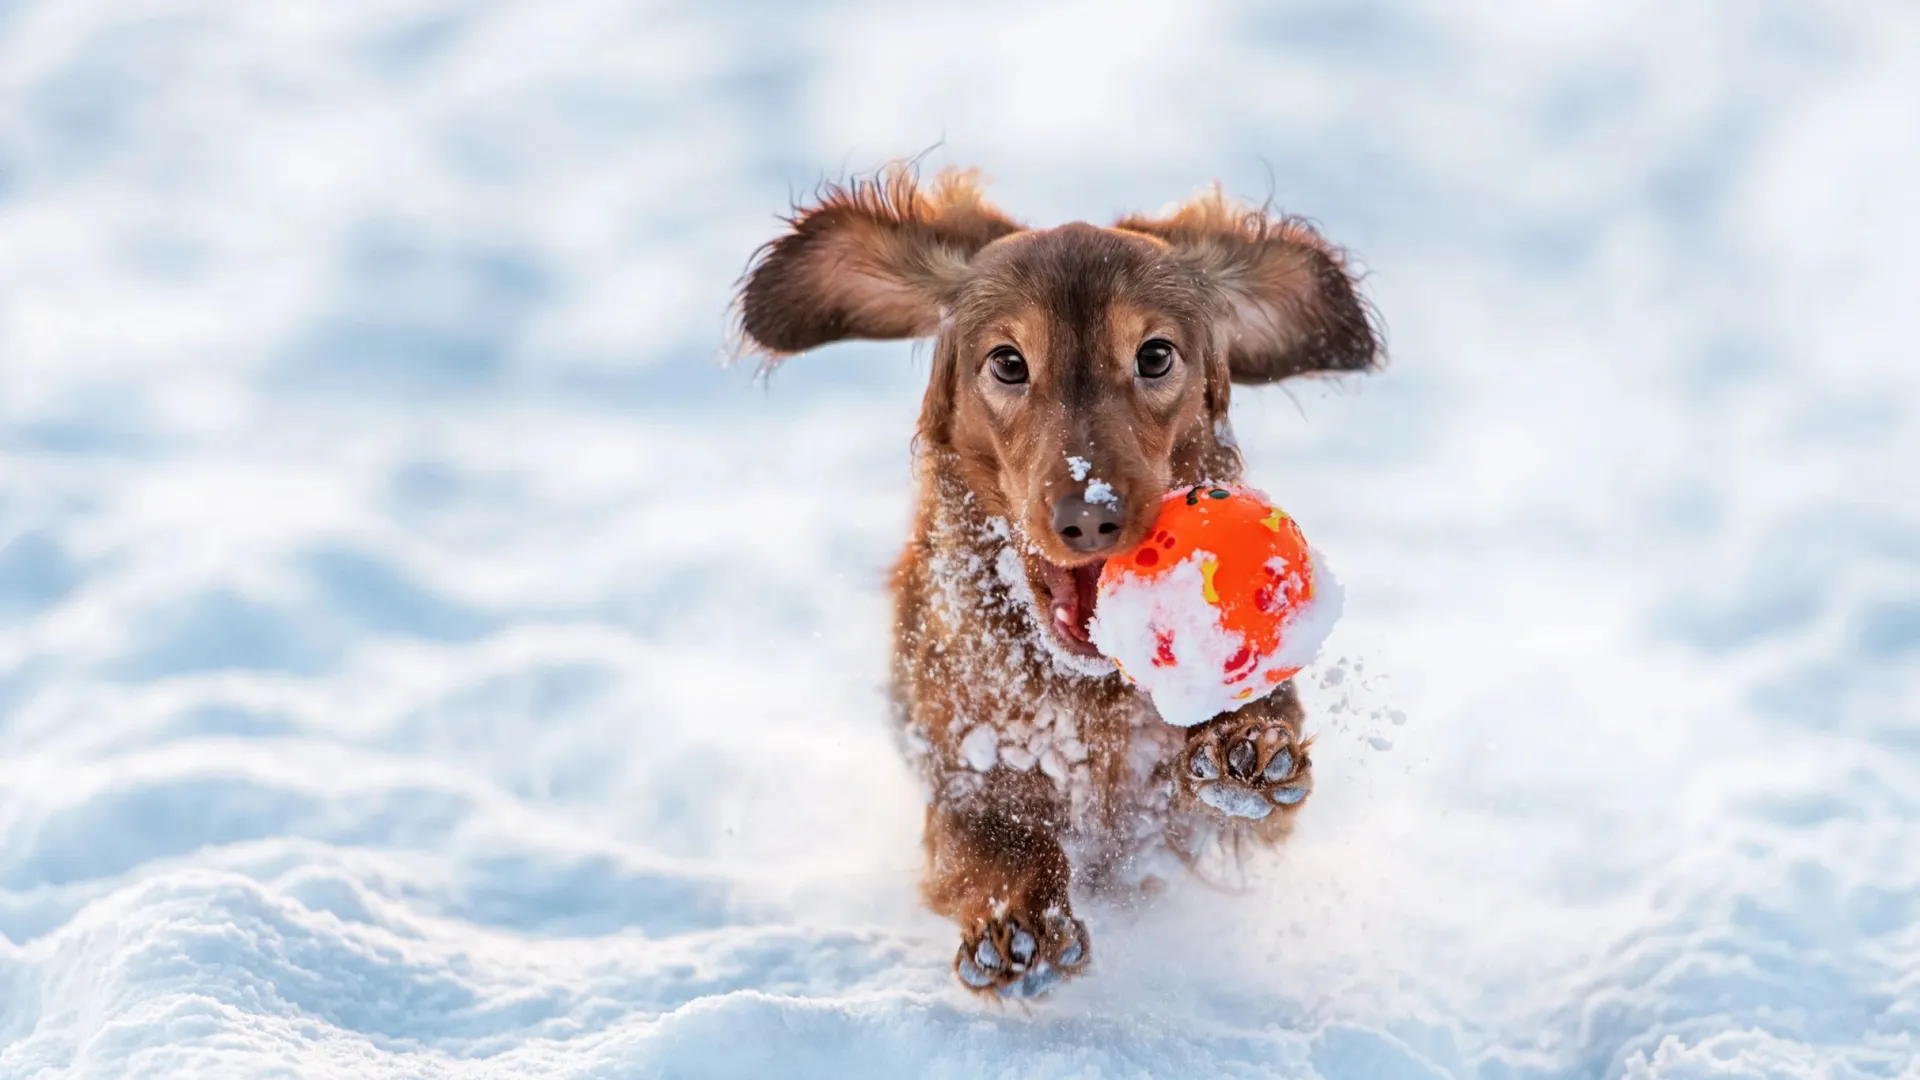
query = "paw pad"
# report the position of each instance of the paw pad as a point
(1243, 759)
(1235, 801)
(1246, 769)
(1012, 961)
(1292, 793)
(1023, 946)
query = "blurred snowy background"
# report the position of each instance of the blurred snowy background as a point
(418, 658)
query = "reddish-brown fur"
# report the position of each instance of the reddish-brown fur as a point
(1044, 771)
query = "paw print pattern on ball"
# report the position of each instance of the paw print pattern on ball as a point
(1005, 958)
(1247, 768)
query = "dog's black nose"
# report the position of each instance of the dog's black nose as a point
(1086, 525)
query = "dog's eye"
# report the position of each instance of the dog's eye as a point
(1008, 366)
(1154, 359)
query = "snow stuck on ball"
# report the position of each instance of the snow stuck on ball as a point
(1218, 606)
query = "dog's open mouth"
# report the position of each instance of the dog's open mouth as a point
(1072, 594)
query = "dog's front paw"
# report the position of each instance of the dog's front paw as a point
(1246, 767)
(1014, 958)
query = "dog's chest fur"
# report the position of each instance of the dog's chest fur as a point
(993, 709)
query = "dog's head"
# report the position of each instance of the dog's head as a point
(1079, 372)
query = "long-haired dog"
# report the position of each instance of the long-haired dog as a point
(1059, 355)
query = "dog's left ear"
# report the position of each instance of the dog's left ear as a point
(1289, 305)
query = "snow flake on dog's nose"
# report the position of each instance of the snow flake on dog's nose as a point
(1098, 491)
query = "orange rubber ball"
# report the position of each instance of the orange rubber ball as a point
(1221, 603)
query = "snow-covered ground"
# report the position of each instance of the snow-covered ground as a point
(418, 658)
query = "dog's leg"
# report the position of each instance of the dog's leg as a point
(1250, 764)
(996, 868)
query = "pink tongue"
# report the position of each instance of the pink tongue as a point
(1074, 604)
(1087, 581)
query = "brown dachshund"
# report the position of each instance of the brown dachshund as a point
(1078, 373)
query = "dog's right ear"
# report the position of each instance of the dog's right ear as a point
(872, 258)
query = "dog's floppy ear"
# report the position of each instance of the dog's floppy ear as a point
(1289, 305)
(872, 258)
